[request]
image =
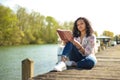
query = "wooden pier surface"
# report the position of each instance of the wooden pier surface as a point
(107, 68)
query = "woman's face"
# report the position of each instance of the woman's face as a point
(81, 25)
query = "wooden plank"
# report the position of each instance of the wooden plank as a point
(27, 69)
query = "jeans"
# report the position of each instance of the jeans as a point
(83, 62)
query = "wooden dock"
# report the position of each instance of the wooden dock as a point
(107, 68)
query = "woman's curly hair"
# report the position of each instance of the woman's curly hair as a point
(77, 33)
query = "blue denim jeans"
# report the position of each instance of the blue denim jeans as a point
(83, 62)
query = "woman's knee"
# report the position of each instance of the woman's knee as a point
(86, 64)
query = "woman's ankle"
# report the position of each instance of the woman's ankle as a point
(64, 58)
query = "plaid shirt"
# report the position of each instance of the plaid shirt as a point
(88, 44)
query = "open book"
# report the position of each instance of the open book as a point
(62, 34)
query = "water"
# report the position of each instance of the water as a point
(44, 57)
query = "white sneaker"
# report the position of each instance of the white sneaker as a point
(60, 66)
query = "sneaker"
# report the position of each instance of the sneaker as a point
(70, 63)
(60, 66)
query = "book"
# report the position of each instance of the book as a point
(63, 33)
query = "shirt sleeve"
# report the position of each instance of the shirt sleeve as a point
(90, 46)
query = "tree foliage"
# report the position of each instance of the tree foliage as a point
(95, 33)
(108, 33)
(26, 28)
(9, 31)
(22, 27)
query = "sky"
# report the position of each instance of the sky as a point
(103, 14)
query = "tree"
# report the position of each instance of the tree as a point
(108, 33)
(95, 32)
(9, 32)
(51, 26)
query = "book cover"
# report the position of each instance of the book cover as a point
(62, 33)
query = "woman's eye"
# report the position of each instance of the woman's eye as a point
(78, 24)
(81, 23)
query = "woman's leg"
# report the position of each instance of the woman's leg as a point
(86, 63)
(72, 52)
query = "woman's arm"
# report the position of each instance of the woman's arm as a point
(90, 47)
(78, 45)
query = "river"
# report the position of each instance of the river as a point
(44, 57)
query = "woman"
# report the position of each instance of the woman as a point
(79, 47)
